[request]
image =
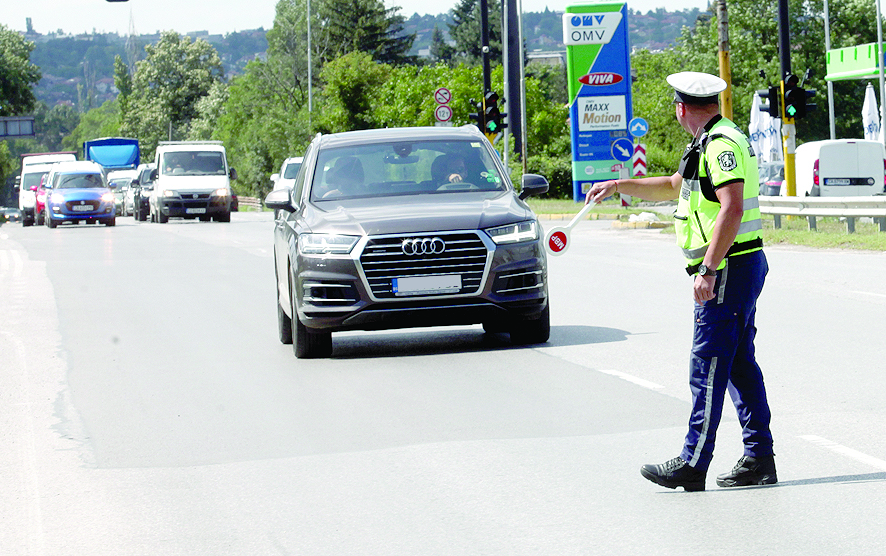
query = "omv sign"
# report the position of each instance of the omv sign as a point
(590, 28)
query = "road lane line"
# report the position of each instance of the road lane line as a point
(633, 379)
(846, 451)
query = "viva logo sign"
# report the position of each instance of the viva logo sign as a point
(601, 78)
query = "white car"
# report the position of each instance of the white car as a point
(288, 171)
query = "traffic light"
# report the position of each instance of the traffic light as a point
(494, 117)
(794, 98)
(773, 94)
(479, 116)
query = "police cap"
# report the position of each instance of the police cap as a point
(693, 87)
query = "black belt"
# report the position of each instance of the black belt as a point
(736, 248)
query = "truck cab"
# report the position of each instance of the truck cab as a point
(192, 179)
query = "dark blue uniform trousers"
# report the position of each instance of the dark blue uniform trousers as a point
(723, 359)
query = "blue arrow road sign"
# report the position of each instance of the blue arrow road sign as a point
(638, 127)
(622, 149)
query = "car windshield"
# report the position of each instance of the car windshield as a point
(291, 170)
(404, 168)
(80, 181)
(33, 179)
(193, 163)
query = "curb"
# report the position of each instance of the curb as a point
(641, 225)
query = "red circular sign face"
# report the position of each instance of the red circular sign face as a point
(557, 241)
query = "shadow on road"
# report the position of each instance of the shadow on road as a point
(445, 340)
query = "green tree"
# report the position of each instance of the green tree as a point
(753, 41)
(348, 86)
(102, 121)
(365, 26)
(465, 31)
(166, 88)
(441, 51)
(17, 74)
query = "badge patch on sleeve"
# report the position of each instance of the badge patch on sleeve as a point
(727, 161)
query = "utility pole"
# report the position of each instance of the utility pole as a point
(723, 59)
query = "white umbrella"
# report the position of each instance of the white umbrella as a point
(870, 115)
(764, 133)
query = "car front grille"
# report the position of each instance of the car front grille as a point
(383, 260)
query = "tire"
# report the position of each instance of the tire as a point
(284, 322)
(310, 344)
(112, 221)
(223, 217)
(535, 331)
(50, 222)
(284, 325)
(162, 218)
(142, 215)
(40, 219)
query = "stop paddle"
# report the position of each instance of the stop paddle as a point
(557, 238)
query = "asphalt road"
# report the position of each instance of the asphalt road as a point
(147, 407)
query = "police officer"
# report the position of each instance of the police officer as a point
(718, 228)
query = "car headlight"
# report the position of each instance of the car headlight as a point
(170, 193)
(108, 197)
(57, 199)
(514, 233)
(326, 244)
(221, 192)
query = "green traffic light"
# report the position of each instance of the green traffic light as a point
(790, 110)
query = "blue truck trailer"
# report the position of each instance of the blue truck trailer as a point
(113, 153)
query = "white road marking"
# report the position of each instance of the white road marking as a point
(843, 450)
(633, 379)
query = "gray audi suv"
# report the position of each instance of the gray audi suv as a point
(407, 227)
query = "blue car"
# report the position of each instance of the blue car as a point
(78, 192)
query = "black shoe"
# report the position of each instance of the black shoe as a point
(750, 471)
(675, 473)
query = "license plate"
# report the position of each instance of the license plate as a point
(837, 181)
(81, 208)
(424, 285)
(195, 211)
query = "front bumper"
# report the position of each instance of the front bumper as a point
(503, 284)
(192, 205)
(81, 210)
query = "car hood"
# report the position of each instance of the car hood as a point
(192, 183)
(417, 213)
(86, 194)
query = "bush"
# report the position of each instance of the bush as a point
(557, 170)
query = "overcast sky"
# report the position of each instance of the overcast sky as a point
(219, 16)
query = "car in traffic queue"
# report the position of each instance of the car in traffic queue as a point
(11, 214)
(40, 201)
(78, 192)
(381, 231)
(138, 197)
(285, 178)
(120, 181)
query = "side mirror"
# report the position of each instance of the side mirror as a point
(533, 185)
(232, 173)
(154, 174)
(112, 185)
(279, 200)
(33, 188)
(134, 182)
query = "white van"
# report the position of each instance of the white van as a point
(840, 168)
(191, 180)
(34, 168)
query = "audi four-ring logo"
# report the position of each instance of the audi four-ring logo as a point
(423, 246)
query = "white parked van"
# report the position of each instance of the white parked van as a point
(840, 168)
(34, 168)
(191, 180)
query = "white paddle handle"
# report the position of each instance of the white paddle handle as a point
(579, 216)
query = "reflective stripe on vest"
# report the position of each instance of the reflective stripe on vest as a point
(697, 215)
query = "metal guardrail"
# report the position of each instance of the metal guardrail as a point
(252, 202)
(849, 208)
